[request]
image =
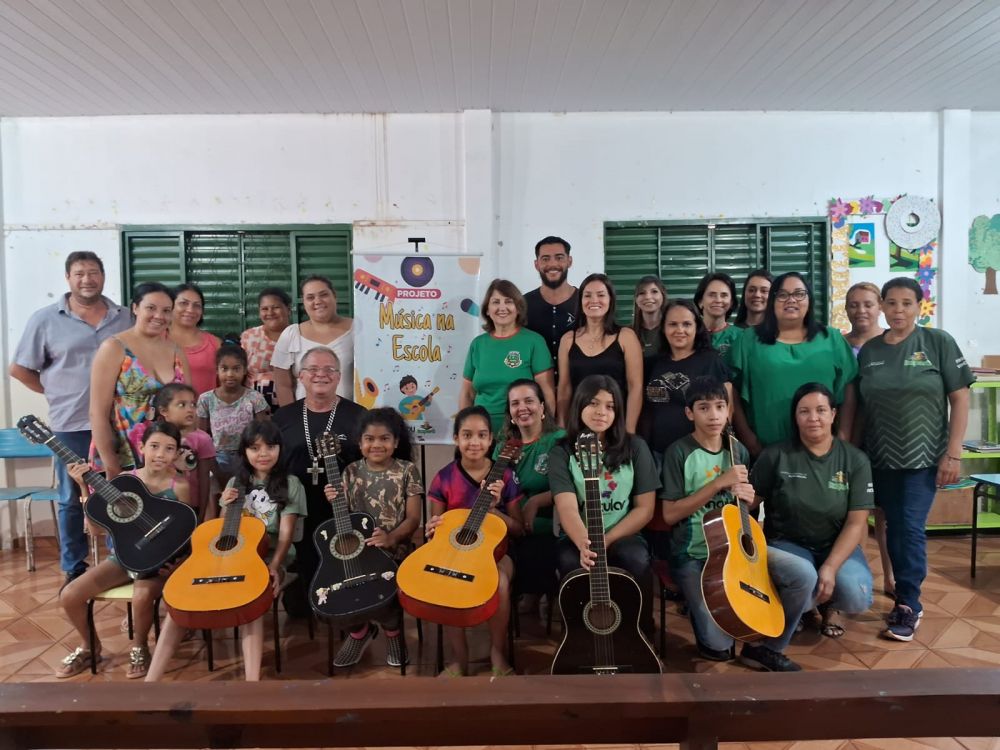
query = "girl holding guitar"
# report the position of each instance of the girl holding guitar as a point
(386, 485)
(277, 499)
(456, 486)
(628, 488)
(159, 449)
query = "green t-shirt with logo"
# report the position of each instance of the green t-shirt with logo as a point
(766, 376)
(904, 388)
(494, 363)
(722, 341)
(618, 488)
(532, 470)
(807, 498)
(687, 467)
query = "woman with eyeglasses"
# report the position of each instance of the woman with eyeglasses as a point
(302, 422)
(788, 348)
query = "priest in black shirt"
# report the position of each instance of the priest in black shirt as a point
(301, 424)
(552, 307)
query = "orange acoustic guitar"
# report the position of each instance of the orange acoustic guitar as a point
(453, 579)
(737, 588)
(224, 583)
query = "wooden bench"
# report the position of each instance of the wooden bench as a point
(695, 710)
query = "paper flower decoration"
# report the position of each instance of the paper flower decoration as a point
(869, 205)
(838, 210)
(927, 308)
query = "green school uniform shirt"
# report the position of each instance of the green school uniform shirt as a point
(258, 503)
(493, 363)
(687, 467)
(532, 471)
(618, 488)
(722, 341)
(808, 497)
(766, 376)
(904, 388)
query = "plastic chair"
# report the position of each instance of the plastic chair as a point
(121, 593)
(13, 446)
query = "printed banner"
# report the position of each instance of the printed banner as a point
(415, 315)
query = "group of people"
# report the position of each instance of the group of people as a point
(827, 426)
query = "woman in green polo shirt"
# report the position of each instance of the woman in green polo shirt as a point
(772, 359)
(818, 493)
(530, 422)
(914, 385)
(506, 352)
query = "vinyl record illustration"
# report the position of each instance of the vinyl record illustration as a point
(417, 270)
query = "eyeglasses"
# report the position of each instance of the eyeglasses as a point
(314, 371)
(798, 295)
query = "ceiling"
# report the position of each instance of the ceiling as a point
(122, 57)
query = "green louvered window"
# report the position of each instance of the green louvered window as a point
(681, 253)
(231, 266)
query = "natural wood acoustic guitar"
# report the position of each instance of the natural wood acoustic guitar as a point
(453, 579)
(225, 582)
(735, 582)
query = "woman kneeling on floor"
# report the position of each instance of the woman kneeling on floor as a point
(817, 491)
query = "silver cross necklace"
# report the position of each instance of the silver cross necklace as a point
(315, 470)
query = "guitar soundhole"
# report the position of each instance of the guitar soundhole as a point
(226, 543)
(126, 508)
(466, 538)
(602, 618)
(346, 546)
(749, 548)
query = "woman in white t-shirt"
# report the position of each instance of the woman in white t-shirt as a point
(324, 328)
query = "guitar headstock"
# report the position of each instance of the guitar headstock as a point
(34, 429)
(511, 450)
(328, 445)
(588, 454)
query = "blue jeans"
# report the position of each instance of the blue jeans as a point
(72, 539)
(795, 584)
(852, 591)
(905, 496)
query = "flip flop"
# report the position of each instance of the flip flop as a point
(496, 672)
(832, 630)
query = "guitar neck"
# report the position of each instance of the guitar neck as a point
(232, 515)
(101, 486)
(600, 589)
(484, 500)
(341, 514)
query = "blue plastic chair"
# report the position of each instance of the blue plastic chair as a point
(13, 446)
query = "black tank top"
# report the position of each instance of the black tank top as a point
(610, 362)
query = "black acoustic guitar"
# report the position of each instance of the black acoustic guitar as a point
(601, 608)
(352, 579)
(146, 530)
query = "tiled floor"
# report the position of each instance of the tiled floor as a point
(961, 628)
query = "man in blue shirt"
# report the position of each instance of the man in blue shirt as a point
(54, 358)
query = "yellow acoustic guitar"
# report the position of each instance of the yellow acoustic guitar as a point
(453, 579)
(737, 588)
(224, 583)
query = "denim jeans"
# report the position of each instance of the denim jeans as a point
(852, 592)
(72, 539)
(905, 496)
(794, 581)
(632, 555)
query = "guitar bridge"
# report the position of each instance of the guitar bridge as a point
(153, 532)
(218, 579)
(754, 592)
(605, 670)
(449, 573)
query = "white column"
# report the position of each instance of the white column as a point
(953, 242)
(481, 176)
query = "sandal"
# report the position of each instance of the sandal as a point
(832, 630)
(76, 662)
(138, 662)
(496, 672)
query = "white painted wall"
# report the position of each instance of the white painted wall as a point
(494, 183)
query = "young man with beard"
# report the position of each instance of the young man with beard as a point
(552, 306)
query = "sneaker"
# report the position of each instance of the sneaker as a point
(394, 650)
(902, 623)
(76, 662)
(715, 654)
(766, 660)
(353, 648)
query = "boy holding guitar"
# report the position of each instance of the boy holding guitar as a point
(701, 473)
